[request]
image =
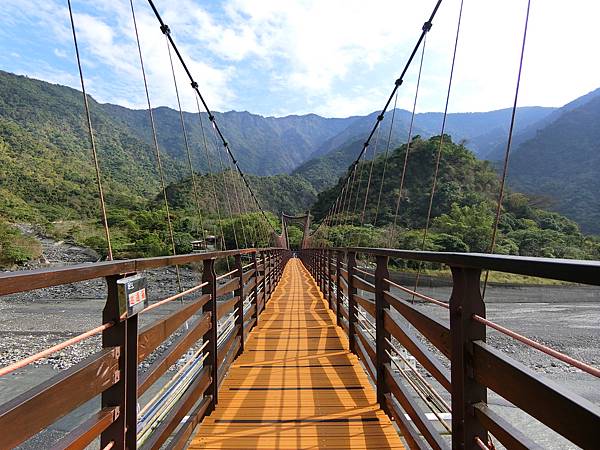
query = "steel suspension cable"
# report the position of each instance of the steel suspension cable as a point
(227, 198)
(359, 183)
(334, 214)
(342, 208)
(166, 30)
(186, 143)
(248, 212)
(352, 183)
(345, 201)
(156, 146)
(239, 205)
(385, 159)
(362, 216)
(409, 138)
(508, 147)
(440, 143)
(92, 139)
(424, 30)
(211, 176)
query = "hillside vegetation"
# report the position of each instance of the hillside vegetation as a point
(462, 210)
(562, 163)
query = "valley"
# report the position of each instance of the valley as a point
(293, 164)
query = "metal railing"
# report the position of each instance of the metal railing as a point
(380, 339)
(210, 329)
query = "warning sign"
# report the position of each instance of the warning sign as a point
(133, 296)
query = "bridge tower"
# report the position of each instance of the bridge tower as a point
(282, 240)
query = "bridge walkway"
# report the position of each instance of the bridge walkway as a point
(297, 386)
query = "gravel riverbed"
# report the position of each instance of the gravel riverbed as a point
(567, 318)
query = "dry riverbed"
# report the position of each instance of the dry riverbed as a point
(566, 318)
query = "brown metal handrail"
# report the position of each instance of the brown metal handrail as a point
(55, 348)
(112, 372)
(475, 365)
(541, 347)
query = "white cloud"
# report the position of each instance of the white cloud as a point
(60, 53)
(314, 56)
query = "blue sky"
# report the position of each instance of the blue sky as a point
(331, 57)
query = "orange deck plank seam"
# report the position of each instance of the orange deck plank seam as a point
(297, 386)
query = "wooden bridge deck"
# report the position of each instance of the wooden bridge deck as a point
(297, 386)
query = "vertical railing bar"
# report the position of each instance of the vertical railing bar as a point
(209, 276)
(351, 301)
(465, 301)
(338, 284)
(381, 336)
(239, 292)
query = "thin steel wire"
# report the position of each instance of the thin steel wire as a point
(227, 198)
(354, 167)
(507, 153)
(211, 176)
(440, 144)
(236, 190)
(362, 216)
(156, 146)
(165, 29)
(409, 139)
(187, 144)
(92, 140)
(424, 30)
(360, 170)
(385, 159)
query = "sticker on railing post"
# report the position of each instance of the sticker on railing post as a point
(133, 295)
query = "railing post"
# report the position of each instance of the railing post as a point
(338, 285)
(264, 280)
(116, 395)
(255, 290)
(124, 394)
(325, 275)
(329, 276)
(322, 271)
(279, 266)
(269, 275)
(209, 276)
(464, 302)
(351, 301)
(239, 293)
(381, 336)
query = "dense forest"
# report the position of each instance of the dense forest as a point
(47, 178)
(462, 210)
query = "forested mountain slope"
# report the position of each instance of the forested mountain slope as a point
(463, 208)
(562, 163)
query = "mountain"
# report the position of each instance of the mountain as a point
(480, 131)
(263, 145)
(463, 179)
(561, 162)
(47, 173)
(276, 193)
(462, 212)
(529, 131)
(46, 166)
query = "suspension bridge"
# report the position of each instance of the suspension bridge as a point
(317, 348)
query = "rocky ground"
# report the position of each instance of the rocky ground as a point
(566, 318)
(36, 320)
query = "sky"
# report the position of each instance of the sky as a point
(335, 58)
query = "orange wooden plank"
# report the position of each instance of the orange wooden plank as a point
(296, 386)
